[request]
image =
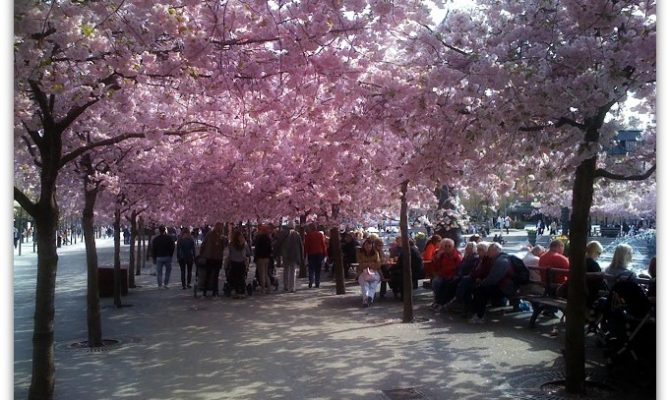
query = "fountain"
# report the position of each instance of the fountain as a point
(644, 248)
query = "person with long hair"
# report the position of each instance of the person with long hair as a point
(238, 261)
(369, 271)
(618, 268)
(212, 249)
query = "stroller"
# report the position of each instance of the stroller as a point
(626, 327)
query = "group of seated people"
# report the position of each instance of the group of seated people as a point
(466, 282)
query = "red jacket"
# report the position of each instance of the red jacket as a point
(447, 264)
(315, 243)
(552, 259)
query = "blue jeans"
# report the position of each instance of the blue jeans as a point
(314, 262)
(160, 262)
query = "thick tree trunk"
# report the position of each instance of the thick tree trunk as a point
(43, 378)
(408, 306)
(582, 198)
(93, 319)
(117, 257)
(338, 264)
(140, 246)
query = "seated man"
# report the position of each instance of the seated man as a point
(554, 258)
(498, 282)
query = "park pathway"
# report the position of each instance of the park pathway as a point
(308, 345)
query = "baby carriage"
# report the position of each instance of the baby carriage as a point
(627, 328)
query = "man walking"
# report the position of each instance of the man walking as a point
(315, 248)
(291, 250)
(162, 249)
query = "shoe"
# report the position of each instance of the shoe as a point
(166, 287)
(370, 300)
(476, 320)
(188, 286)
(309, 286)
(316, 286)
(365, 303)
(183, 288)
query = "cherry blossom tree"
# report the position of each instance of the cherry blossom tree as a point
(547, 80)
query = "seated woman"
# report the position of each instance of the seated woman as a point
(445, 266)
(618, 268)
(532, 259)
(369, 271)
(396, 271)
(463, 269)
(463, 296)
(428, 254)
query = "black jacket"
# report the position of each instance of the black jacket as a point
(162, 246)
(263, 246)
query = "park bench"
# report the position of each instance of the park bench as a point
(610, 232)
(547, 298)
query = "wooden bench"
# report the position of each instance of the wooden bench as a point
(548, 298)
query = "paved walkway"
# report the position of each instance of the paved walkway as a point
(309, 345)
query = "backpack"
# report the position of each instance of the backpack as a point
(521, 274)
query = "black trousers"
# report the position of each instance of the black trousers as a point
(185, 266)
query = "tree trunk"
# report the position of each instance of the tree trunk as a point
(302, 273)
(131, 250)
(338, 265)
(582, 198)
(145, 239)
(408, 306)
(117, 257)
(43, 371)
(93, 319)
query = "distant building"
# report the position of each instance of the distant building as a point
(625, 142)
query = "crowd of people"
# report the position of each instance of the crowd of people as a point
(462, 281)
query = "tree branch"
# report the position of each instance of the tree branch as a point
(106, 142)
(450, 47)
(601, 173)
(25, 202)
(43, 103)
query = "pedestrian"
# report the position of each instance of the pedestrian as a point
(162, 249)
(238, 264)
(262, 256)
(212, 249)
(291, 250)
(315, 248)
(185, 256)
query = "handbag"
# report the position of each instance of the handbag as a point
(368, 275)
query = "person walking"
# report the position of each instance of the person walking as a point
(315, 248)
(262, 256)
(238, 259)
(212, 249)
(185, 256)
(162, 250)
(292, 254)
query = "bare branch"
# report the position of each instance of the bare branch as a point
(601, 173)
(445, 44)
